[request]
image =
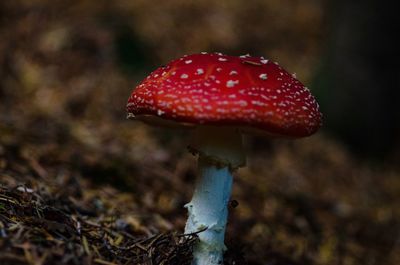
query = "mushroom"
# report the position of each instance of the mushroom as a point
(220, 97)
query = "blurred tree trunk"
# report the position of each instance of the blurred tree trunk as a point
(358, 83)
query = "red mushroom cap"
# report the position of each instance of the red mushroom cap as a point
(216, 89)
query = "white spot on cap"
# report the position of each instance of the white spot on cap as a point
(199, 71)
(264, 61)
(184, 76)
(263, 76)
(222, 59)
(232, 83)
(244, 56)
(233, 72)
(258, 103)
(160, 112)
(294, 75)
(242, 103)
(188, 61)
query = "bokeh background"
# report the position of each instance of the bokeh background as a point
(68, 67)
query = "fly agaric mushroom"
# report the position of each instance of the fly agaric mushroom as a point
(220, 97)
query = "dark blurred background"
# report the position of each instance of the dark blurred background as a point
(67, 69)
(56, 54)
(357, 80)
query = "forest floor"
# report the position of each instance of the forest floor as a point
(64, 202)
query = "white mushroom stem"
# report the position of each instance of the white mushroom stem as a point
(220, 153)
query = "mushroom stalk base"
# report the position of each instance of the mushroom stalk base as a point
(220, 153)
(208, 211)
